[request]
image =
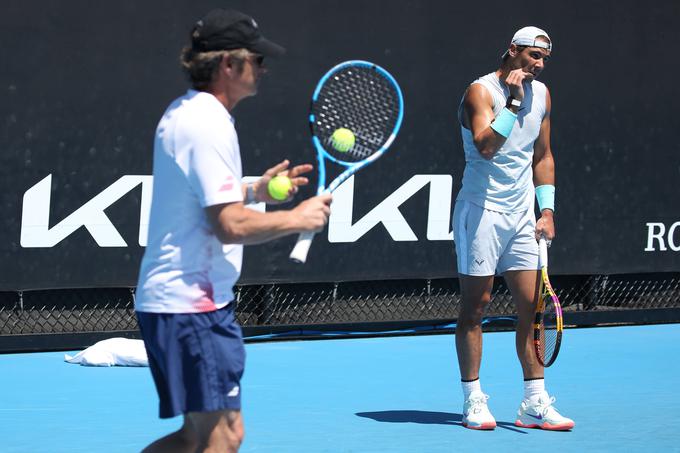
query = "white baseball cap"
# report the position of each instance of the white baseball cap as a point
(526, 36)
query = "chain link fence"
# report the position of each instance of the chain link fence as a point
(322, 306)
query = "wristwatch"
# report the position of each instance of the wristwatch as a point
(250, 194)
(512, 102)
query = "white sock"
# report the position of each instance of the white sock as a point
(470, 386)
(534, 388)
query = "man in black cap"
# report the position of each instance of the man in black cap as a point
(198, 225)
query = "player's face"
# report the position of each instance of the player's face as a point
(532, 61)
(253, 69)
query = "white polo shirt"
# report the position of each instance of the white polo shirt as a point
(197, 163)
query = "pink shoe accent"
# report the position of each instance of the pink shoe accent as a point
(562, 427)
(483, 426)
(547, 426)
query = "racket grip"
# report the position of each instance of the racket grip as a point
(299, 253)
(542, 252)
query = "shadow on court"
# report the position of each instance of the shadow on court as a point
(427, 418)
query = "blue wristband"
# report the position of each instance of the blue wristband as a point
(504, 122)
(545, 195)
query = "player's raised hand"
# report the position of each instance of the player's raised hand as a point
(515, 81)
(263, 191)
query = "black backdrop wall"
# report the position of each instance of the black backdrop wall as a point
(83, 84)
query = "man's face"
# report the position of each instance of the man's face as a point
(532, 61)
(252, 71)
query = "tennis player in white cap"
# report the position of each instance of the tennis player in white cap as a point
(505, 125)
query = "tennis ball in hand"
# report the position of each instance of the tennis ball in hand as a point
(279, 187)
(342, 140)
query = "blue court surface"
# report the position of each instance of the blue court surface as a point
(390, 394)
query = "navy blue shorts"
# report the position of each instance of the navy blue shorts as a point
(196, 360)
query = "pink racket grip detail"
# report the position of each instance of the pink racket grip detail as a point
(301, 249)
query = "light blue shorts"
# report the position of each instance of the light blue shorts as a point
(491, 242)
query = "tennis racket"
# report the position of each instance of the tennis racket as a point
(360, 97)
(548, 324)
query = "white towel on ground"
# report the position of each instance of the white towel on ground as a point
(112, 352)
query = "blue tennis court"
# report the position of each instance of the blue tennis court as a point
(385, 394)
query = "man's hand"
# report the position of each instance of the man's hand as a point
(281, 169)
(313, 213)
(546, 226)
(514, 82)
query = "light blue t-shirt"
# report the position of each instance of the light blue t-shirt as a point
(504, 183)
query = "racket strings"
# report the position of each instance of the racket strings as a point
(361, 100)
(549, 330)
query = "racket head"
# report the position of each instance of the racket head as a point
(362, 97)
(548, 324)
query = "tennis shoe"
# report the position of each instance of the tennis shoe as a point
(476, 414)
(542, 414)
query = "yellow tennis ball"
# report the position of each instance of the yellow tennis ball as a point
(343, 139)
(279, 187)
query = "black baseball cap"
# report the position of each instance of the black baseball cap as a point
(225, 29)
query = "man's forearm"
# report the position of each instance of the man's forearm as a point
(496, 134)
(237, 224)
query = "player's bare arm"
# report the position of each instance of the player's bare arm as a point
(478, 113)
(234, 223)
(544, 171)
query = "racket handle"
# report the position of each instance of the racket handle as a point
(299, 253)
(542, 252)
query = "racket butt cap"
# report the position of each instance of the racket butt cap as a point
(301, 249)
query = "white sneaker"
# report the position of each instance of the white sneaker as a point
(542, 414)
(476, 413)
